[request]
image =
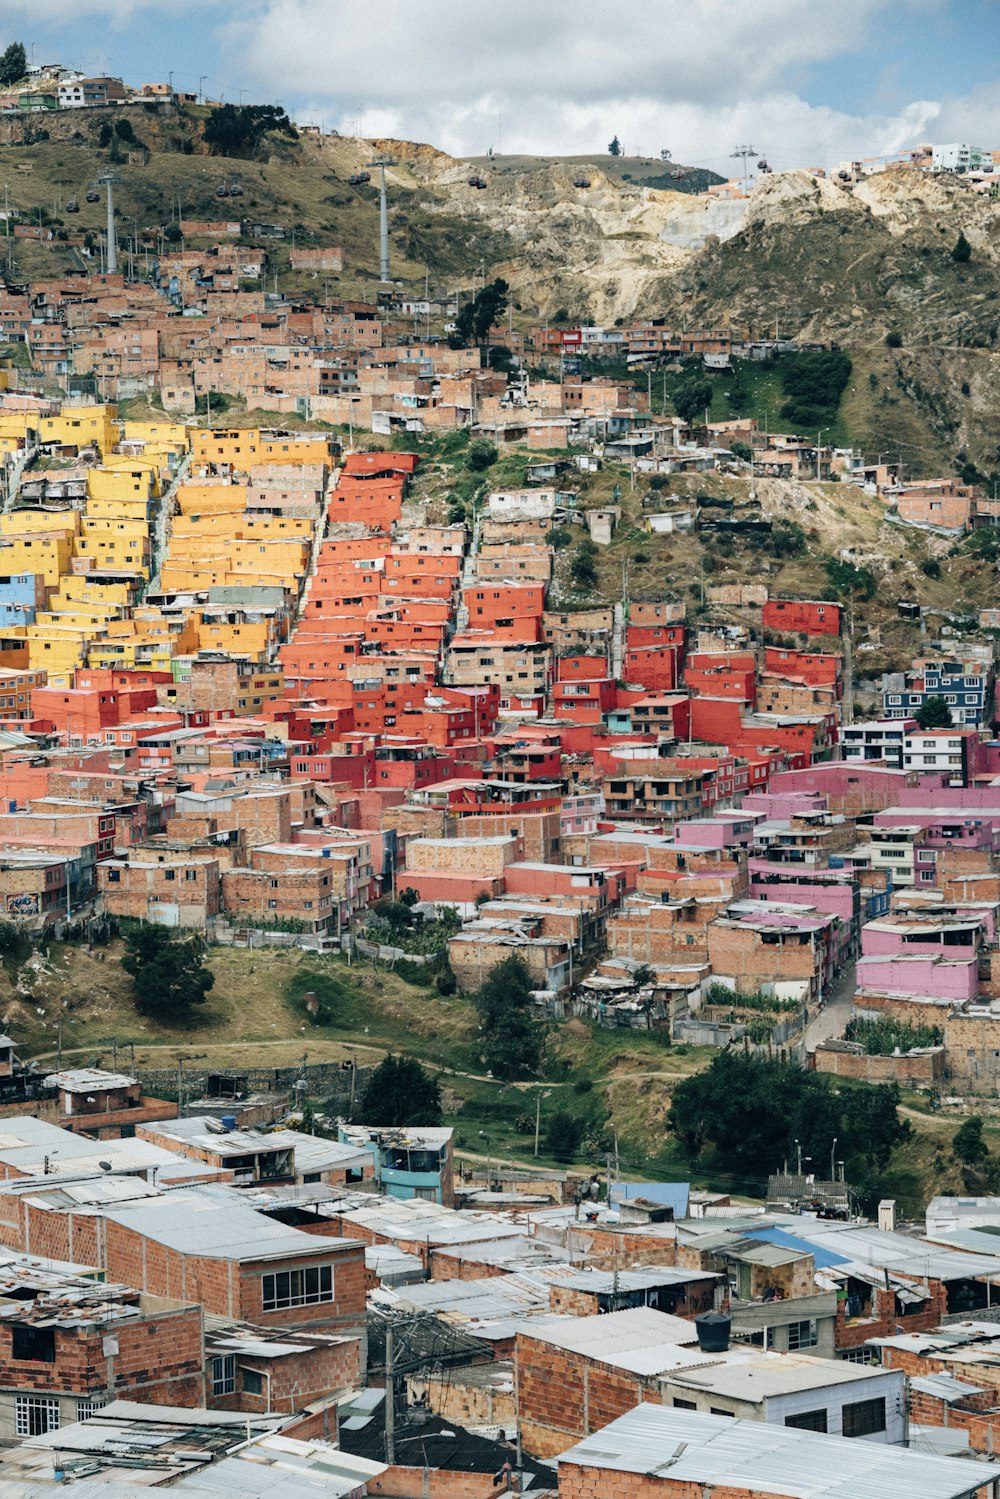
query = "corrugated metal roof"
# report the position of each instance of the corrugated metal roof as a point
(692, 1448)
(945, 1387)
(824, 1258)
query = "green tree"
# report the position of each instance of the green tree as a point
(562, 1137)
(894, 339)
(124, 131)
(482, 454)
(614, 147)
(106, 134)
(511, 1039)
(400, 1092)
(741, 450)
(692, 398)
(582, 568)
(968, 1145)
(168, 974)
(845, 577)
(934, 713)
(13, 64)
(476, 318)
(814, 383)
(787, 539)
(962, 253)
(751, 1111)
(643, 976)
(240, 129)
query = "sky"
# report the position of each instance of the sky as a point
(805, 82)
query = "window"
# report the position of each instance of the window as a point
(253, 1382)
(807, 1421)
(864, 1417)
(38, 1343)
(297, 1287)
(684, 1405)
(35, 1414)
(87, 1408)
(803, 1335)
(190, 874)
(224, 1374)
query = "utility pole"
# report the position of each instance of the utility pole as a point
(390, 1399)
(538, 1118)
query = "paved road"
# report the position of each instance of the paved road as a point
(835, 1013)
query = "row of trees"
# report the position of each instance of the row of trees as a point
(752, 1114)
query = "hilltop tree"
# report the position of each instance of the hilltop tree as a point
(934, 713)
(401, 1092)
(168, 975)
(13, 64)
(962, 253)
(615, 147)
(239, 129)
(511, 1038)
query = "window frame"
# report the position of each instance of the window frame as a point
(297, 1291)
(223, 1374)
(875, 1408)
(26, 1406)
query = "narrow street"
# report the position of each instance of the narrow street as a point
(835, 1013)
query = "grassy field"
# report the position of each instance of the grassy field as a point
(617, 1084)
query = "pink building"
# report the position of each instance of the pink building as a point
(948, 980)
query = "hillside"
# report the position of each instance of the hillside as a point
(614, 1082)
(804, 257)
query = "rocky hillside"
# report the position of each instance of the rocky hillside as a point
(807, 256)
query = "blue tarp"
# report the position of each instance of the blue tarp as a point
(665, 1194)
(824, 1258)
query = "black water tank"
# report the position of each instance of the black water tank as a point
(713, 1331)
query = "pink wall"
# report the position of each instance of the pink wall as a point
(783, 805)
(920, 978)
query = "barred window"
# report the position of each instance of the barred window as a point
(87, 1408)
(34, 1415)
(224, 1374)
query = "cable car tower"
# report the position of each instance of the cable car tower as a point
(383, 216)
(107, 181)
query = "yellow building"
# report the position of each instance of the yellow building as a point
(123, 479)
(82, 427)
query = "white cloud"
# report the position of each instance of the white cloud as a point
(566, 75)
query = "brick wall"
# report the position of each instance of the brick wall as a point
(294, 1381)
(909, 1071)
(564, 1395)
(467, 1402)
(159, 1361)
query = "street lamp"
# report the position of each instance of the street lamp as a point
(489, 1159)
(833, 1160)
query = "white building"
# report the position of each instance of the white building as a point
(877, 739)
(940, 750)
(961, 158)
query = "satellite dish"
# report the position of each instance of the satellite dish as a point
(105, 1165)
